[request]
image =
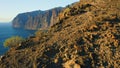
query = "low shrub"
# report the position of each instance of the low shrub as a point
(13, 41)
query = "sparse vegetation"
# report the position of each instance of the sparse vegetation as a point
(13, 41)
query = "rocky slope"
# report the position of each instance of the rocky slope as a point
(87, 35)
(36, 19)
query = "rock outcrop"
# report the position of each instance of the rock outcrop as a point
(36, 19)
(87, 35)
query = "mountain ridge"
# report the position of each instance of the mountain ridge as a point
(36, 19)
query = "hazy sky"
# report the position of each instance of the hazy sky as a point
(10, 8)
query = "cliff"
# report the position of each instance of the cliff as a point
(87, 35)
(36, 19)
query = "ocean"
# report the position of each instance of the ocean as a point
(6, 31)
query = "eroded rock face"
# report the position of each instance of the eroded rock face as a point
(36, 19)
(71, 64)
(86, 36)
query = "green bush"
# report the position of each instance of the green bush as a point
(13, 41)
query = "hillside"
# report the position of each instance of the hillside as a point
(87, 35)
(36, 19)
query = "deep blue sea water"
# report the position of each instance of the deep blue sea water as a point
(6, 31)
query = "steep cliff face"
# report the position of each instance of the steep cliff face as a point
(87, 35)
(36, 19)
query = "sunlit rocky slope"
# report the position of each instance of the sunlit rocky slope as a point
(87, 35)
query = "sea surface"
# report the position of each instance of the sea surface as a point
(7, 31)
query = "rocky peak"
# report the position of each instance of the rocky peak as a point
(98, 1)
(102, 2)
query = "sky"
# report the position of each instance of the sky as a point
(10, 8)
